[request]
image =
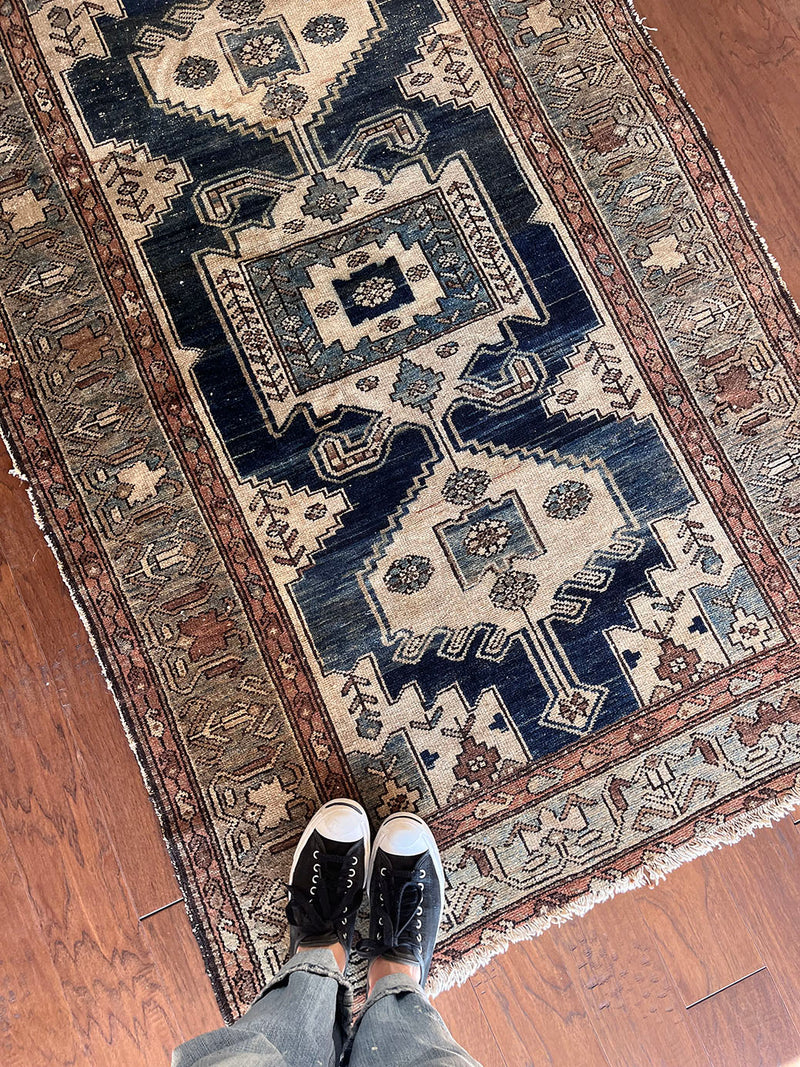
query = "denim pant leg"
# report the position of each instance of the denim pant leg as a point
(300, 1019)
(400, 1027)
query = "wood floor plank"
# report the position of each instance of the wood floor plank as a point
(700, 934)
(747, 1025)
(537, 1014)
(35, 1022)
(762, 874)
(635, 1008)
(464, 1016)
(109, 981)
(89, 707)
(183, 976)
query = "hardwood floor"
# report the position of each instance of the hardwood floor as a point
(97, 961)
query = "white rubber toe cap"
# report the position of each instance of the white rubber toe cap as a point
(340, 820)
(404, 835)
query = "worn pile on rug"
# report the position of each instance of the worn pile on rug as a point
(413, 411)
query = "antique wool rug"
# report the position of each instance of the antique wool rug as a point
(412, 409)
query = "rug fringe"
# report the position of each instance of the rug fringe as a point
(652, 871)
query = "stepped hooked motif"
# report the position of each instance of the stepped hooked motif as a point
(414, 413)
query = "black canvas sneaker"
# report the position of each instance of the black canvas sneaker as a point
(328, 876)
(406, 889)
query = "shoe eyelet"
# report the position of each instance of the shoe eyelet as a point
(312, 890)
(316, 868)
(419, 937)
(419, 911)
(349, 884)
(315, 854)
(383, 872)
(422, 873)
(419, 924)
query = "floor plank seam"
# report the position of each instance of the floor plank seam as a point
(163, 907)
(722, 989)
(482, 1010)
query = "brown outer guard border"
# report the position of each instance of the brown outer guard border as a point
(171, 402)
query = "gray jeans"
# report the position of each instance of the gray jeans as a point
(302, 1019)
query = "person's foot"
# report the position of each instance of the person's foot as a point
(327, 879)
(406, 890)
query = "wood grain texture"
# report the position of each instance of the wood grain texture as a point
(763, 877)
(81, 906)
(89, 710)
(635, 1008)
(538, 1014)
(35, 1022)
(465, 1018)
(747, 1024)
(703, 940)
(183, 978)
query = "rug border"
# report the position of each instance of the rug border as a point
(646, 36)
